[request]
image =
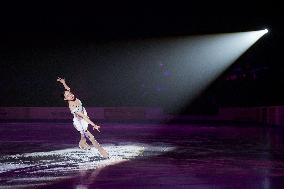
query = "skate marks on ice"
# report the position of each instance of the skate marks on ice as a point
(41, 168)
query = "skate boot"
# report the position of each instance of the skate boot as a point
(84, 145)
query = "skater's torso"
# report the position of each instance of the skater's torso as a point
(76, 106)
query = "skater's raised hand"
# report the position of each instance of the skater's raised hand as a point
(96, 127)
(61, 80)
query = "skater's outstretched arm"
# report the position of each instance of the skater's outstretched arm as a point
(86, 118)
(63, 83)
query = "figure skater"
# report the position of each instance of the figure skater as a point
(81, 120)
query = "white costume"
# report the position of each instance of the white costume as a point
(79, 123)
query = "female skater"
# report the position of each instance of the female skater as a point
(81, 120)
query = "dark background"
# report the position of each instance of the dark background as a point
(94, 46)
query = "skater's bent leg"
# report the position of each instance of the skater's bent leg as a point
(83, 143)
(102, 151)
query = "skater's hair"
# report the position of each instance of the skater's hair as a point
(62, 95)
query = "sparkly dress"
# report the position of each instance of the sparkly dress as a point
(79, 123)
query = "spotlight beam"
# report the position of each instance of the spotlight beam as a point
(197, 61)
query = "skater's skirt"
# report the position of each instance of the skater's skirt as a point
(80, 124)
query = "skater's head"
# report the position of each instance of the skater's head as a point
(68, 96)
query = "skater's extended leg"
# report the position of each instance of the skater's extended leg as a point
(102, 151)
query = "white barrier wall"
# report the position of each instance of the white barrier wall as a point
(62, 113)
(273, 115)
(266, 115)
